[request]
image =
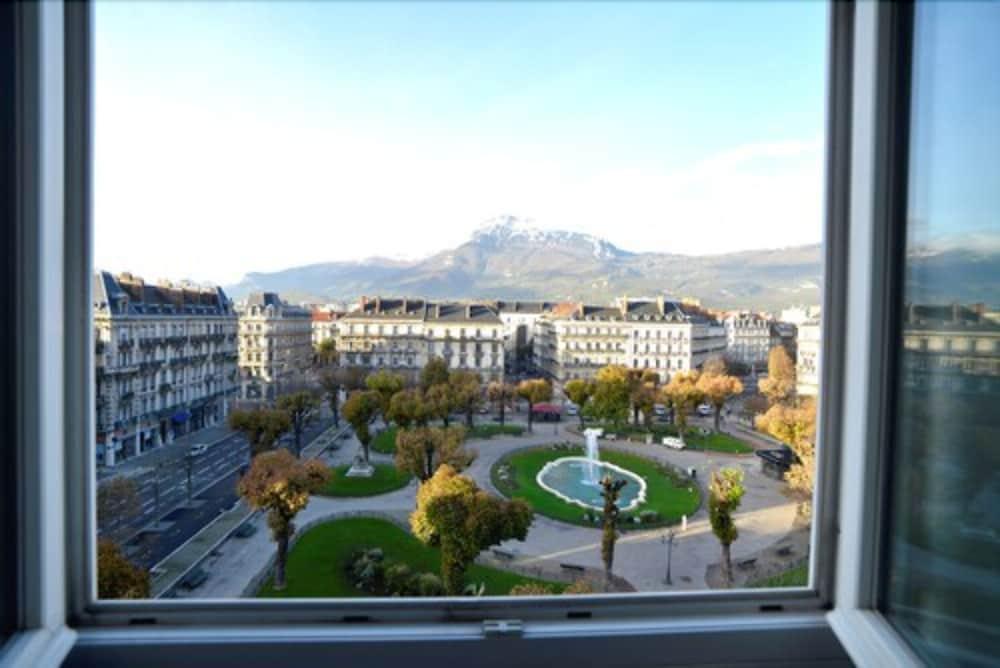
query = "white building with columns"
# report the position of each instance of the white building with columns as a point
(165, 359)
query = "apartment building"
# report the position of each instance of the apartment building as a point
(807, 346)
(165, 358)
(748, 338)
(953, 348)
(324, 325)
(520, 325)
(402, 334)
(275, 345)
(575, 340)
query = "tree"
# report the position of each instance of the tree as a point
(463, 520)
(331, 382)
(359, 410)
(715, 365)
(643, 399)
(280, 485)
(421, 450)
(261, 426)
(441, 401)
(299, 406)
(468, 393)
(501, 393)
(579, 392)
(717, 389)
(611, 398)
(117, 577)
(610, 490)
(725, 493)
(682, 394)
(534, 391)
(639, 384)
(753, 406)
(796, 427)
(408, 408)
(118, 503)
(779, 386)
(385, 384)
(326, 352)
(435, 372)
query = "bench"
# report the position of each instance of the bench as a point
(503, 554)
(784, 551)
(747, 563)
(610, 437)
(572, 567)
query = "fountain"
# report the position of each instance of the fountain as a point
(577, 479)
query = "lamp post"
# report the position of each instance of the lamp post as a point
(668, 540)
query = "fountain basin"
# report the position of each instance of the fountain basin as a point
(573, 479)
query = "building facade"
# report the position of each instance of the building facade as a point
(807, 346)
(324, 325)
(575, 340)
(748, 339)
(520, 326)
(275, 345)
(954, 348)
(165, 359)
(402, 334)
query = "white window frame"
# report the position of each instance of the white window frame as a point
(57, 610)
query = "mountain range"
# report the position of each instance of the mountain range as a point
(508, 258)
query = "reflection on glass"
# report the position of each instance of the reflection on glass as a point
(943, 588)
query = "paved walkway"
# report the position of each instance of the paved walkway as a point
(766, 515)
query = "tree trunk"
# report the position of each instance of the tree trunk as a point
(635, 415)
(364, 448)
(428, 464)
(501, 411)
(452, 571)
(727, 566)
(445, 420)
(531, 414)
(279, 563)
(579, 414)
(334, 408)
(718, 412)
(468, 419)
(298, 441)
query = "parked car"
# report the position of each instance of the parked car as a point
(197, 449)
(572, 410)
(659, 409)
(704, 410)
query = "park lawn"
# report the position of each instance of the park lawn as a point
(491, 430)
(318, 562)
(793, 577)
(717, 442)
(668, 493)
(386, 479)
(385, 442)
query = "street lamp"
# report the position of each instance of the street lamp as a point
(668, 540)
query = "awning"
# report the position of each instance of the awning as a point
(180, 417)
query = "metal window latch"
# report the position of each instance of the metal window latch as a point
(502, 627)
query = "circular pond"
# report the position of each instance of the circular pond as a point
(576, 480)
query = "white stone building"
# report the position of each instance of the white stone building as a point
(748, 338)
(165, 362)
(324, 325)
(275, 345)
(575, 340)
(402, 334)
(520, 326)
(807, 346)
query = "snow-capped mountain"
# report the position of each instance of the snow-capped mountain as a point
(513, 258)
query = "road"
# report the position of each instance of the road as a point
(173, 506)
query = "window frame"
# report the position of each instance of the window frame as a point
(58, 604)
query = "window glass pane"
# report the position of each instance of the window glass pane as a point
(405, 218)
(943, 587)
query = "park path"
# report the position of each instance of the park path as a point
(640, 556)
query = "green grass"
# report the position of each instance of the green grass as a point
(667, 492)
(694, 440)
(317, 564)
(718, 443)
(491, 430)
(385, 442)
(793, 577)
(385, 479)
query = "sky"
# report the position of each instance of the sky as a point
(254, 136)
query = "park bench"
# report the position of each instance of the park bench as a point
(611, 437)
(503, 554)
(747, 563)
(572, 567)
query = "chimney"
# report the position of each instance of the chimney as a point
(378, 305)
(659, 305)
(468, 311)
(624, 305)
(956, 313)
(364, 302)
(404, 305)
(437, 310)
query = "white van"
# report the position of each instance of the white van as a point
(197, 449)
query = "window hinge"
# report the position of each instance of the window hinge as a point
(502, 627)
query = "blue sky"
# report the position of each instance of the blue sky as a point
(233, 137)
